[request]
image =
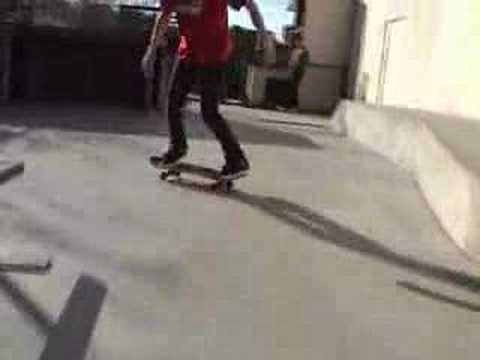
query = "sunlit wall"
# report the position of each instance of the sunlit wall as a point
(432, 61)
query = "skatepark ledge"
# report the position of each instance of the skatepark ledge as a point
(438, 150)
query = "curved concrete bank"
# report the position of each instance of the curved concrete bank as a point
(440, 153)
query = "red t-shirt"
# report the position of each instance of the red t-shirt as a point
(204, 29)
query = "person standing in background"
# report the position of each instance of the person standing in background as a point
(283, 93)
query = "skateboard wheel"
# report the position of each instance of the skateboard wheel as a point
(165, 175)
(226, 186)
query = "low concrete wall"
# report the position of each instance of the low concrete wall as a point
(450, 186)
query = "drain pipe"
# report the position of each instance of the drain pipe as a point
(387, 34)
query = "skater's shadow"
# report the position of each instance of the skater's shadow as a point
(438, 296)
(324, 229)
(32, 311)
(70, 335)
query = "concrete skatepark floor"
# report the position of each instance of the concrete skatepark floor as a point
(326, 251)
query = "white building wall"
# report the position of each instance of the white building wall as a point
(327, 37)
(433, 57)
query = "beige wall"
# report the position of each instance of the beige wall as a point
(433, 58)
(327, 30)
(327, 37)
(320, 89)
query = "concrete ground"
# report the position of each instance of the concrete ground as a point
(326, 251)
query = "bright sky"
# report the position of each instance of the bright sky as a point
(274, 12)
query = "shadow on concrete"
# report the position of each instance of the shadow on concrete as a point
(10, 170)
(437, 296)
(327, 230)
(70, 336)
(31, 267)
(165, 274)
(123, 121)
(33, 312)
(8, 133)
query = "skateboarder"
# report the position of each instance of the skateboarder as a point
(204, 50)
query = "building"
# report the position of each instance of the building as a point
(422, 54)
(58, 49)
(408, 53)
(329, 31)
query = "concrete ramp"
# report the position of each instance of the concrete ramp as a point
(441, 152)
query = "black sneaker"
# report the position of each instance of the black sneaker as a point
(169, 159)
(235, 169)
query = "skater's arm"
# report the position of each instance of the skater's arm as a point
(257, 20)
(161, 23)
(157, 38)
(255, 15)
(253, 10)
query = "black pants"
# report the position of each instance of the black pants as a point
(210, 78)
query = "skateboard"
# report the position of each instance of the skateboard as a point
(174, 173)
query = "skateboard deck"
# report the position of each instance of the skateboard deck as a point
(175, 172)
(159, 67)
